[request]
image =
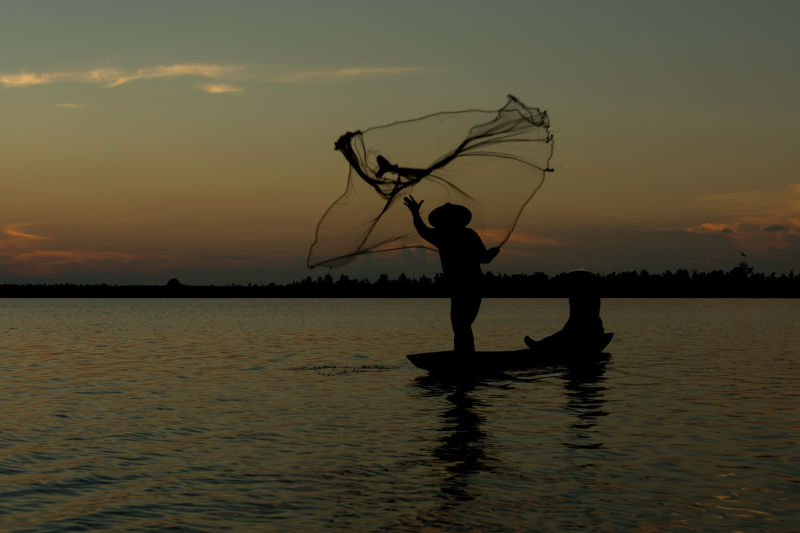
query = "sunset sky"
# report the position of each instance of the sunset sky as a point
(141, 141)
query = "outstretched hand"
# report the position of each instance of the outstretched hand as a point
(412, 205)
(493, 252)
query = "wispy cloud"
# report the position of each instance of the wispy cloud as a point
(111, 77)
(14, 239)
(221, 88)
(29, 254)
(527, 239)
(222, 73)
(202, 70)
(343, 74)
(755, 220)
(14, 231)
(50, 262)
(26, 79)
(713, 227)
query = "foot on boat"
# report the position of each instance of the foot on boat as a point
(529, 342)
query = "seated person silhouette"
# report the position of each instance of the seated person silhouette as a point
(584, 327)
(461, 252)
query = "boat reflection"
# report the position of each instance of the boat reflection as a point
(585, 395)
(462, 448)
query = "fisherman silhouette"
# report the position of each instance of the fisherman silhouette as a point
(461, 252)
(584, 328)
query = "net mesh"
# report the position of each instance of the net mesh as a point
(492, 162)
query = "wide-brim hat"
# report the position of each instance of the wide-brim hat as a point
(580, 280)
(450, 215)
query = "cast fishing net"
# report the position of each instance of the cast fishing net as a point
(492, 162)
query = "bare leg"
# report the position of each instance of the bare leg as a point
(463, 311)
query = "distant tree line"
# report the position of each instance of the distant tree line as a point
(739, 282)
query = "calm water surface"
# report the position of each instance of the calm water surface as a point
(296, 415)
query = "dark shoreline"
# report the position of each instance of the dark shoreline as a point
(739, 282)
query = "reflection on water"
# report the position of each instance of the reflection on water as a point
(584, 391)
(297, 415)
(461, 447)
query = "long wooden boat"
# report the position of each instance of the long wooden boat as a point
(556, 352)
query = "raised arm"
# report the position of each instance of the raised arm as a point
(424, 231)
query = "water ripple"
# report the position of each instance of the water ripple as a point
(295, 415)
